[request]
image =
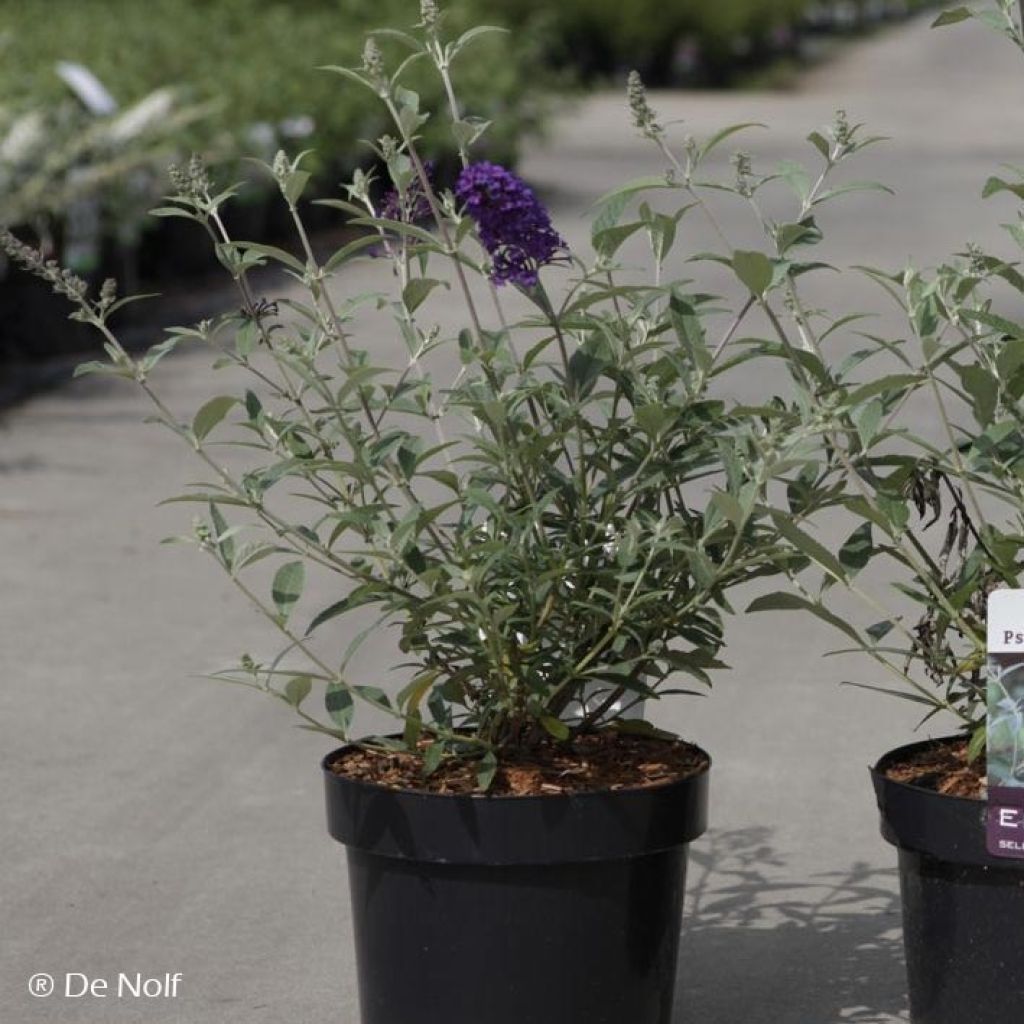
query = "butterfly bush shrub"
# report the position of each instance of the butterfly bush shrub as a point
(548, 504)
(942, 508)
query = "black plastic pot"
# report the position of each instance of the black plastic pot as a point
(963, 909)
(516, 910)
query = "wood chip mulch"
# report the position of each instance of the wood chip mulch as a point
(591, 763)
(943, 768)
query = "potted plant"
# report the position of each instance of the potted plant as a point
(547, 502)
(942, 504)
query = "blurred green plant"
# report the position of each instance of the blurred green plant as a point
(255, 59)
(52, 157)
(609, 34)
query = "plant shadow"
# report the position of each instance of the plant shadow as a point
(760, 947)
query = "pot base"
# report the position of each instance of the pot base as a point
(964, 937)
(592, 942)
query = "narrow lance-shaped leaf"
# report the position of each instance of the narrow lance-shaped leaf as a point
(287, 587)
(808, 546)
(339, 704)
(858, 549)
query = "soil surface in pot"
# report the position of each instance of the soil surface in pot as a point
(591, 763)
(943, 768)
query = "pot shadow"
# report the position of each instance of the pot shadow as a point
(760, 947)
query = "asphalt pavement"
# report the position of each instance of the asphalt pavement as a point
(154, 822)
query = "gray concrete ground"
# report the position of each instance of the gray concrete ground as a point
(154, 822)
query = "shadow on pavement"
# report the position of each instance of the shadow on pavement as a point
(761, 948)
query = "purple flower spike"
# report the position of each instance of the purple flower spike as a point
(514, 227)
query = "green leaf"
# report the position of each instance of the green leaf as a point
(994, 185)
(808, 546)
(417, 290)
(914, 698)
(274, 253)
(211, 414)
(631, 188)
(754, 269)
(584, 370)
(867, 420)
(339, 704)
(793, 602)
(287, 587)
(555, 726)
(952, 17)
(374, 695)
(432, 758)
(469, 130)
(411, 696)
(654, 419)
(977, 745)
(720, 136)
(174, 211)
(225, 545)
(101, 369)
(820, 143)
(984, 392)
(298, 689)
(880, 630)
(853, 186)
(858, 549)
(294, 185)
(348, 251)
(893, 382)
(796, 176)
(360, 596)
(474, 33)
(487, 770)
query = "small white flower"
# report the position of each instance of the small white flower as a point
(146, 114)
(25, 136)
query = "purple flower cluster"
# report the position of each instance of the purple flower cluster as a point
(415, 206)
(514, 227)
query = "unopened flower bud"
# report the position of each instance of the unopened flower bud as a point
(744, 170)
(373, 59)
(108, 292)
(198, 179)
(429, 13)
(644, 118)
(842, 132)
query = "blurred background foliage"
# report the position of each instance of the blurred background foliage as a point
(234, 78)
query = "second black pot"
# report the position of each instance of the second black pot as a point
(516, 910)
(963, 909)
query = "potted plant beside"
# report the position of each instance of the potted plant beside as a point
(942, 505)
(547, 505)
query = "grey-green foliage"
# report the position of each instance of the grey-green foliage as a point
(944, 512)
(553, 531)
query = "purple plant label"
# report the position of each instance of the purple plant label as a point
(1005, 822)
(1005, 736)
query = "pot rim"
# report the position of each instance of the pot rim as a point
(328, 760)
(937, 826)
(878, 770)
(475, 829)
